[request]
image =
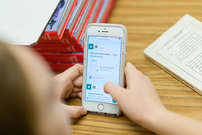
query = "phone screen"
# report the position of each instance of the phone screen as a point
(103, 65)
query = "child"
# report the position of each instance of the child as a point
(31, 98)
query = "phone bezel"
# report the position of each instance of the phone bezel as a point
(115, 30)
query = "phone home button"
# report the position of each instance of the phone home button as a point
(100, 107)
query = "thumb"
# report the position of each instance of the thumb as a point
(114, 90)
(75, 111)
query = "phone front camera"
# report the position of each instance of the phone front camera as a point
(98, 31)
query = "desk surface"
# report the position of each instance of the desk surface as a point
(146, 20)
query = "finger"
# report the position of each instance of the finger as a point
(73, 72)
(78, 82)
(80, 95)
(77, 94)
(114, 90)
(75, 89)
(75, 111)
(132, 75)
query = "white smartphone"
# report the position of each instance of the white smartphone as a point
(104, 61)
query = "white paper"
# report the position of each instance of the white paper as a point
(23, 21)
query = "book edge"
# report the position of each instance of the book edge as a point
(172, 74)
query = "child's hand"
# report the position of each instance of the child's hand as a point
(69, 84)
(139, 101)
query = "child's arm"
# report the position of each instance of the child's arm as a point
(141, 103)
(170, 123)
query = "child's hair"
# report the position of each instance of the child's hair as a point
(17, 108)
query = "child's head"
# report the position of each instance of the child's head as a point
(27, 99)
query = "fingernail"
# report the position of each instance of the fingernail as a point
(84, 111)
(129, 63)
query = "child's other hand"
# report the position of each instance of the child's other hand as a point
(139, 101)
(69, 84)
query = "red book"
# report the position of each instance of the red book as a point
(74, 16)
(70, 48)
(88, 20)
(108, 11)
(51, 45)
(51, 36)
(69, 34)
(98, 11)
(59, 67)
(63, 57)
(61, 61)
(79, 18)
(55, 35)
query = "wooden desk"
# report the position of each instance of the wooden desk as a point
(146, 20)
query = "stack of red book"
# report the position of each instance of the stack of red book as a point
(61, 44)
